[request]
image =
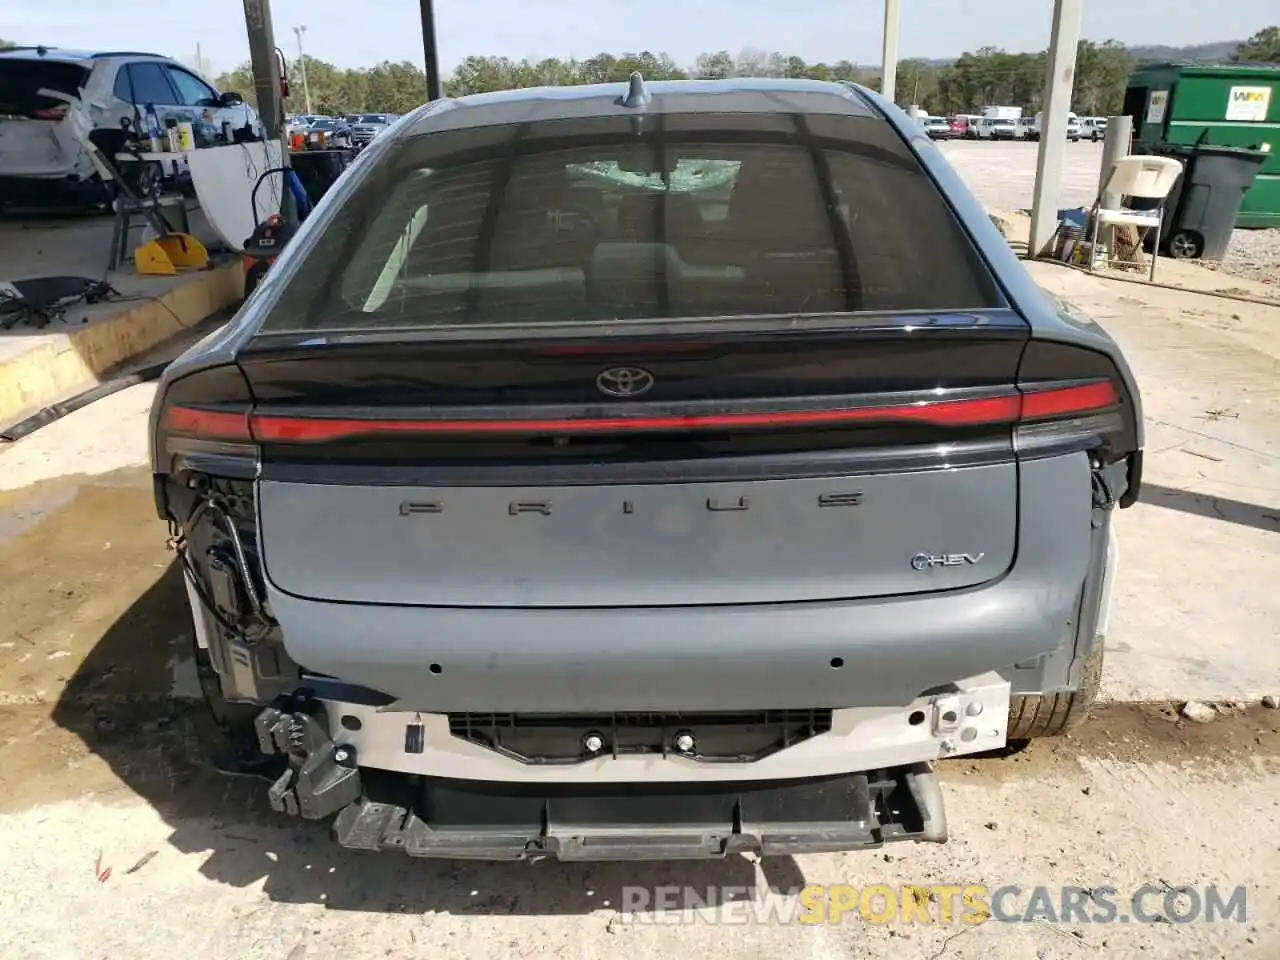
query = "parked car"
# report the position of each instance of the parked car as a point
(328, 130)
(1074, 129)
(966, 125)
(1095, 128)
(604, 496)
(366, 126)
(997, 128)
(937, 128)
(42, 161)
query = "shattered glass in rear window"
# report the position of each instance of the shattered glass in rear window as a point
(21, 81)
(589, 220)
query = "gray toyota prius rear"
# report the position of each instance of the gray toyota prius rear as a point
(645, 471)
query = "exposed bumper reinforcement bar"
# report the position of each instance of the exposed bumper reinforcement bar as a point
(466, 820)
(493, 820)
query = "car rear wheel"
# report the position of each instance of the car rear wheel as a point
(1186, 245)
(1051, 715)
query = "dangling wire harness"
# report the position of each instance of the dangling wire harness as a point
(178, 543)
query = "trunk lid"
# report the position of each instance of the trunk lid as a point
(492, 475)
(618, 545)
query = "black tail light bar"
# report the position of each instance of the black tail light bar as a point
(1013, 408)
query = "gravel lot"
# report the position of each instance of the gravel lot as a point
(1003, 177)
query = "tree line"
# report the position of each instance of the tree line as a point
(985, 76)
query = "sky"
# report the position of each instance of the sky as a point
(353, 33)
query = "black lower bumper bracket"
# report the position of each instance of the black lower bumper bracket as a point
(491, 821)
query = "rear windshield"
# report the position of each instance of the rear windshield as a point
(596, 220)
(21, 81)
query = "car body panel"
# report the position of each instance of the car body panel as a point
(726, 657)
(622, 545)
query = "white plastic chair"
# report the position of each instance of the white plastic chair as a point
(1148, 178)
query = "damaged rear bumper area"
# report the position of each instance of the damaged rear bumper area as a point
(465, 819)
(430, 786)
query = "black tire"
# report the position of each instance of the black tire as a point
(231, 718)
(1185, 245)
(1032, 716)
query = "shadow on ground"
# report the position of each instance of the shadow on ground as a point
(159, 748)
(94, 607)
(1213, 507)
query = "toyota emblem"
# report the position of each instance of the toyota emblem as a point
(624, 382)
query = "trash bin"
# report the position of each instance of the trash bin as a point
(1202, 207)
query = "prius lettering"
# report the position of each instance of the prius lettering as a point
(848, 499)
(517, 507)
(841, 498)
(408, 508)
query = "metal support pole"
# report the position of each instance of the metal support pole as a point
(266, 71)
(1115, 146)
(266, 86)
(889, 58)
(434, 87)
(1059, 79)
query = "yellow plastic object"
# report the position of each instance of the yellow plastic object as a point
(165, 256)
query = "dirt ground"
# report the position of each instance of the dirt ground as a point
(120, 841)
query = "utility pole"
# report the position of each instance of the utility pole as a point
(302, 65)
(266, 84)
(889, 58)
(266, 70)
(1060, 75)
(434, 87)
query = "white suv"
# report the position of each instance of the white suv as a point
(42, 160)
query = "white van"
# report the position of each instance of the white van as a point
(1074, 131)
(997, 128)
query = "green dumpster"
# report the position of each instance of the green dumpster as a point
(1184, 105)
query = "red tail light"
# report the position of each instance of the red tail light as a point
(49, 113)
(210, 424)
(1010, 408)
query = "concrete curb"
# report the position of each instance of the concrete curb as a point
(61, 364)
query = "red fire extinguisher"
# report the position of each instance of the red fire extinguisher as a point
(281, 65)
